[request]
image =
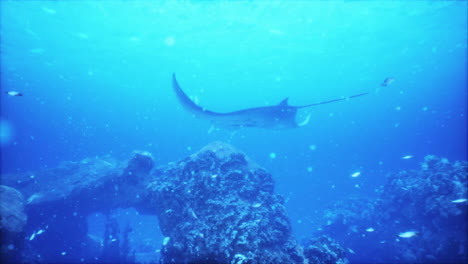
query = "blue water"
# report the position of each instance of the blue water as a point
(96, 79)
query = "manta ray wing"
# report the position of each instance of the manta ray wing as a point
(271, 117)
(279, 116)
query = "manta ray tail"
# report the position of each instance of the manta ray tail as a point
(386, 82)
(332, 101)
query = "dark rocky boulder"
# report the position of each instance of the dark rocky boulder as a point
(90, 185)
(60, 199)
(216, 206)
(12, 215)
(12, 221)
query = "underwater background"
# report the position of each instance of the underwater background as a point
(96, 80)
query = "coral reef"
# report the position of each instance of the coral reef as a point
(324, 250)
(216, 206)
(428, 202)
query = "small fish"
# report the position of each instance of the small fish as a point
(370, 229)
(14, 93)
(166, 240)
(34, 197)
(32, 236)
(356, 174)
(256, 205)
(407, 157)
(408, 234)
(461, 200)
(40, 232)
(388, 81)
(192, 213)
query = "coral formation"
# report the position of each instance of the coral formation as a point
(216, 206)
(428, 202)
(324, 250)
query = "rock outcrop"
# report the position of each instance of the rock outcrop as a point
(431, 202)
(12, 221)
(324, 250)
(12, 215)
(216, 206)
(60, 199)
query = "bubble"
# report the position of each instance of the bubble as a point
(134, 39)
(272, 155)
(82, 35)
(169, 41)
(49, 10)
(37, 51)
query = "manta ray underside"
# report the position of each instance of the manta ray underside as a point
(280, 116)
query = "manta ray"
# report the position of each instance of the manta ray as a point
(280, 116)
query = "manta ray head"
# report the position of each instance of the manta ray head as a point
(290, 116)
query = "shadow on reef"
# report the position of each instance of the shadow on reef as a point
(217, 206)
